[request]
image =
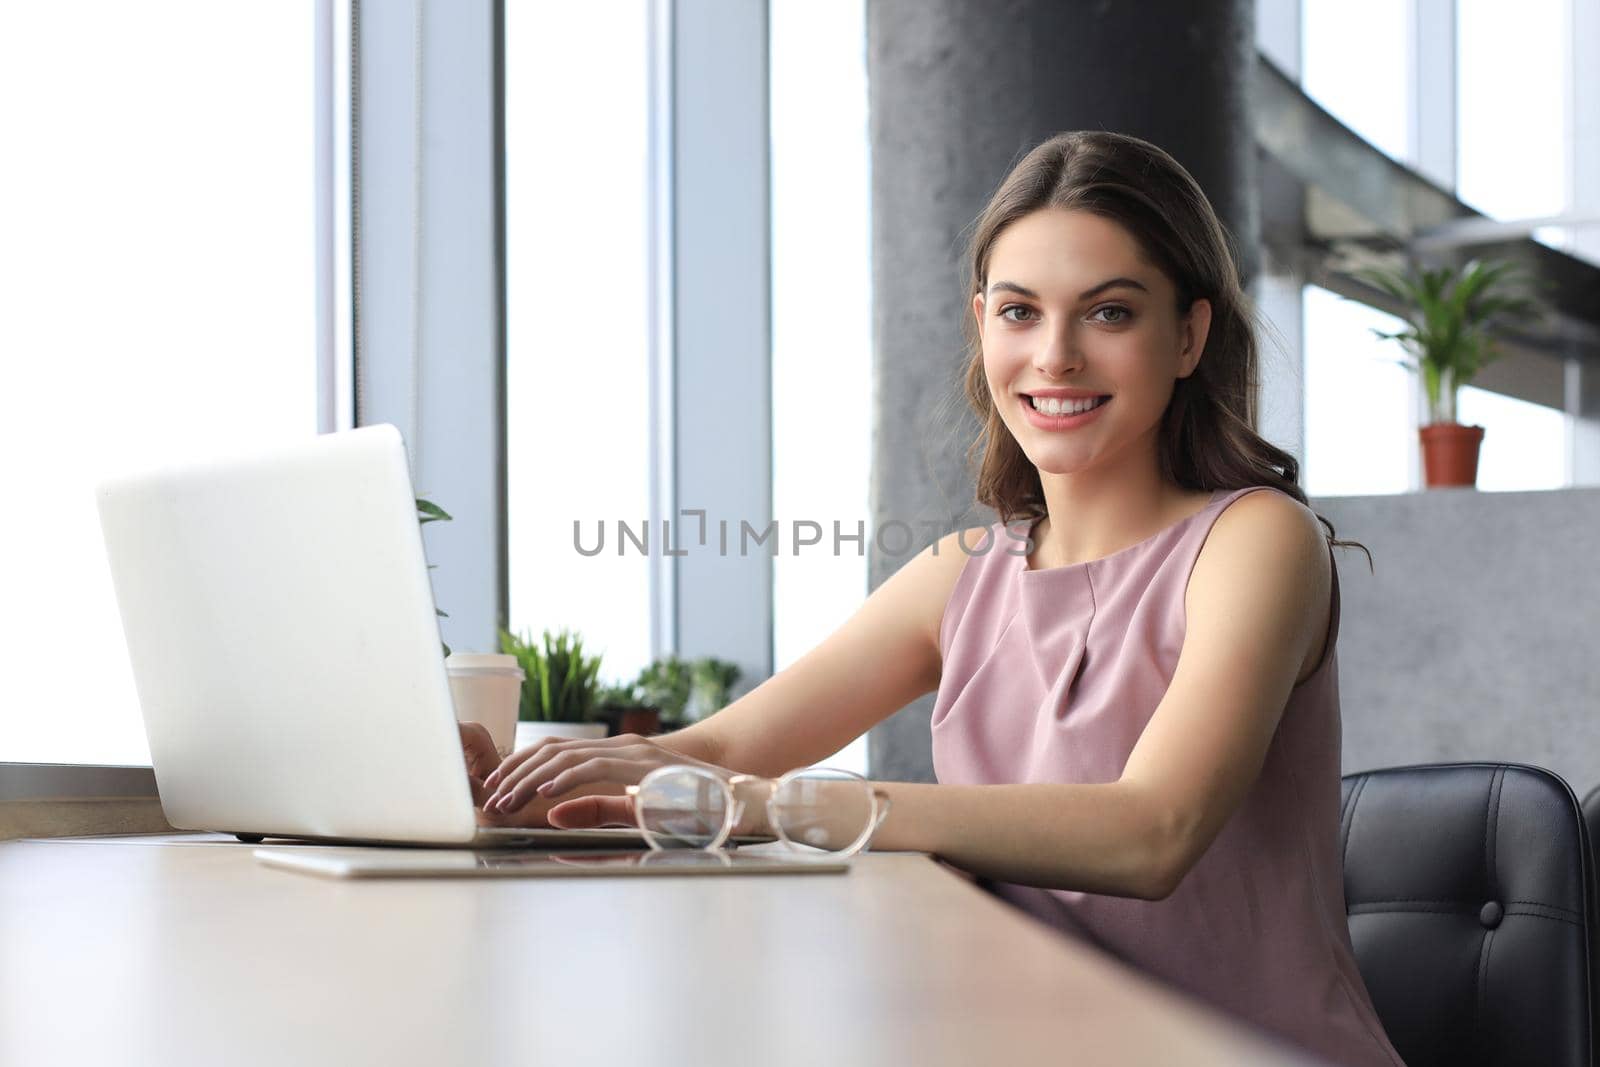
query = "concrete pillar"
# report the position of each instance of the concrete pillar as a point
(959, 91)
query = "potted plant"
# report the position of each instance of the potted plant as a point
(1450, 314)
(626, 712)
(558, 695)
(711, 681)
(686, 690)
(665, 684)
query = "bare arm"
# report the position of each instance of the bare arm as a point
(1258, 603)
(882, 658)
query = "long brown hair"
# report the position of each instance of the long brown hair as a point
(1208, 437)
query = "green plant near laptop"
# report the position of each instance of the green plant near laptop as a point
(561, 683)
(711, 681)
(665, 684)
(686, 690)
(428, 511)
(618, 695)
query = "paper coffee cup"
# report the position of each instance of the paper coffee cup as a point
(487, 688)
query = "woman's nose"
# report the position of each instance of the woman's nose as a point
(1058, 356)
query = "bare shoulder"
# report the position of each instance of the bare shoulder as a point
(1267, 546)
(948, 556)
(1268, 528)
(1268, 517)
(935, 570)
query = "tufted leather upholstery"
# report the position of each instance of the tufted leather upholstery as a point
(1470, 889)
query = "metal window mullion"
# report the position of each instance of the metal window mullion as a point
(1431, 136)
(1583, 198)
(721, 328)
(663, 397)
(429, 260)
(1278, 290)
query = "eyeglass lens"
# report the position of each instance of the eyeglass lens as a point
(683, 810)
(823, 809)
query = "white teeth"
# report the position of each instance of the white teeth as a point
(1050, 406)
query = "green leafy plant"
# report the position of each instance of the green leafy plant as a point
(1451, 313)
(428, 511)
(561, 681)
(712, 680)
(665, 684)
(686, 690)
(618, 695)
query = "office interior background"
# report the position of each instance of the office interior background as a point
(607, 261)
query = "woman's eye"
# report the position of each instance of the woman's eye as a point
(1005, 312)
(1123, 314)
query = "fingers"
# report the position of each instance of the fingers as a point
(546, 747)
(554, 758)
(564, 772)
(584, 812)
(534, 815)
(478, 746)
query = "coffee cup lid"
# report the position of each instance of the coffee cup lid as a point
(482, 663)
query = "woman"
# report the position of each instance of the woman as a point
(1136, 733)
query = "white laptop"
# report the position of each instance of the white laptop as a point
(281, 626)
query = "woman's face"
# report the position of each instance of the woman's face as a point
(1072, 311)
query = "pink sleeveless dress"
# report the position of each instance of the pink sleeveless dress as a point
(1051, 676)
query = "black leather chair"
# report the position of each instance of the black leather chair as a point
(1470, 889)
(1591, 818)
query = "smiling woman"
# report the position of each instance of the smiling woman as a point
(1136, 729)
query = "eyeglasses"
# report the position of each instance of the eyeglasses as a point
(810, 809)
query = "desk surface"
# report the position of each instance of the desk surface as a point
(179, 951)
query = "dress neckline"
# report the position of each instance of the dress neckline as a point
(1084, 564)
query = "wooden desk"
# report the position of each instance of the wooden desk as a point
(178, 951)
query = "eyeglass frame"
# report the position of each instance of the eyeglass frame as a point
(735, 807)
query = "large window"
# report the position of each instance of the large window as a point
(578, 294)
(1360, 435)
(1509, 89)
(1354, 63)
(1524, 445)
(1512, 80)
(1511, 108)
(157, 273)
(821, 320)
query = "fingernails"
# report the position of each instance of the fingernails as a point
(546, 789)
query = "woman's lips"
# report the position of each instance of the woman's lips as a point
(1060, 422)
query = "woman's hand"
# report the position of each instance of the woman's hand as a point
(554, 767)
(482, 758)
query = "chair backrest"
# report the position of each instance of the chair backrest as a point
(1591, 819)
(1470, 889)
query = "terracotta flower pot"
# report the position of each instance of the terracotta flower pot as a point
(630, 719)
(641, 721)
(1450, 454)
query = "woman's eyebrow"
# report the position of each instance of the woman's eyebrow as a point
(1022, 290)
